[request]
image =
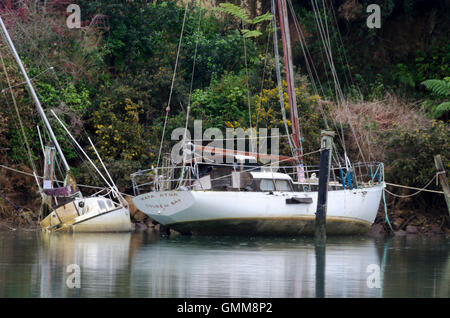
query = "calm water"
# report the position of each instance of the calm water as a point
(33, 264)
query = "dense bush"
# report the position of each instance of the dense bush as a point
(112, 78)
(410, 157)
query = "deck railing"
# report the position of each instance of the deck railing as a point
(359, 175)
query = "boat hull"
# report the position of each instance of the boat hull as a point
(260, 213)
(65, 219)
(117, 220)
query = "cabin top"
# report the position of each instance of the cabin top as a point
(270, 175)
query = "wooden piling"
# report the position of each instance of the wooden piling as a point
(443, 180)
(324, 178)
(49, 171)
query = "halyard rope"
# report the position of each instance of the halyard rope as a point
(173, 81)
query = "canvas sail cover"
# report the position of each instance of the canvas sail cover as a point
(70, 188)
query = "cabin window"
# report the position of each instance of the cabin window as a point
(101, 204)
(283, 185)
(266, 185)
(109, 202)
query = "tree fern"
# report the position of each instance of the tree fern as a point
(440, 88)
(441, 109)
(263, 17)
(241, 14)
(235, 11)
(250, 33)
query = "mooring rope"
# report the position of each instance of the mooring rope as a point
(413, 188)
(79, 185)
(15, 206)
(10, 228)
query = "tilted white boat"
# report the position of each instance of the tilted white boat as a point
(98, 213)
(91, 214)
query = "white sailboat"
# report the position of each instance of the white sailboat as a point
(213, 198)
(98, 213)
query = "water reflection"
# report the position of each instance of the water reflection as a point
(253, 268)
(104, 259)
(416, 266)
(320, 248)
(33, 264)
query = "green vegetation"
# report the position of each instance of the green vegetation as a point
(111, 79)
(441, 90)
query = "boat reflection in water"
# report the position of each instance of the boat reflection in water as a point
(255, 268)
(145, 265)
(103, 260)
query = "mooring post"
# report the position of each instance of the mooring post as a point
(443, 180)
(49, 171)
(319, 249)
(320, 232)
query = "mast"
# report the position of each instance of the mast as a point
(286, 39)
(33, 94)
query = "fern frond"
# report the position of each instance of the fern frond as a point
(438, 87)
(264, 17)
(441, 109)
(235, 11)
(250, 33)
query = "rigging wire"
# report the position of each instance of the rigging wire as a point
(246, 74)
(312, 72)
(306, 52)
(21, 124)
(329, 58)
(173, 81)
(264, 69)
(190, 93)
(339, 93)
(57, 83)
(31, 79)
(79, 185)
(277, 68)
(297, 133)
(343, 100)
(347, 64)
(309, 66)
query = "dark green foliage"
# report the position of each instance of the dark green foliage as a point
(224, 100)
(411, 46)
(441, 91)
(440, 88)
(242, 16)
(112, 80)
(410, 154)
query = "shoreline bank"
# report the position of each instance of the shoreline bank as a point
(403, 222)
